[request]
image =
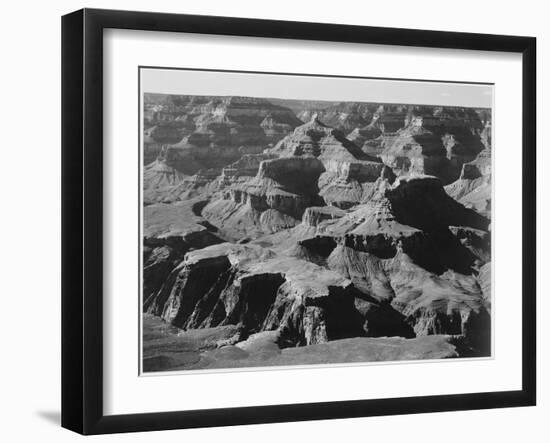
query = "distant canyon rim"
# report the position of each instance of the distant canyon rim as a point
(290, 232)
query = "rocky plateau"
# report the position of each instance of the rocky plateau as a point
(280, 232)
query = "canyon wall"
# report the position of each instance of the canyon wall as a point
(292, 224)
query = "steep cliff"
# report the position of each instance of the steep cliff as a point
(473, 187)
(214, 132)
(412, 252)
(433, 145)
(170, 231)
(251, 287)
(344, 116)
(380, 269)
(271, 240)
(348, 172)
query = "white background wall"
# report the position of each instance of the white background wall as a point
(30, 218)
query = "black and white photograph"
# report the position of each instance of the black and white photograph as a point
(293, 220)
(270, 222)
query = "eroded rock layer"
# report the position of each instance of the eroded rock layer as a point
(267, 233)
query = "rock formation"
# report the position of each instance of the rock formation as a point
(267, 237)
(473, 187)
(432, 145)
(348, 173)
(168, 233)
(209, 133)
(343, 116)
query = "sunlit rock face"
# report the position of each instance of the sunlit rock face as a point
(297, 231)
(473, 186)
(190, 134)
(392, 271)
(227, 128)
(436, 144)
(344, 116)
(348, 172)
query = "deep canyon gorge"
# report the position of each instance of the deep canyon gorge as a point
(293, 232)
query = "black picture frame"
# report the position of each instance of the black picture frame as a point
(82, 218)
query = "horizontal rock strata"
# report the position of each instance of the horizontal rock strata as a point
(271, 237)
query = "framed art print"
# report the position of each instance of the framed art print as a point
(282, 221)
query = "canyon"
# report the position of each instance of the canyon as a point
(282, 232)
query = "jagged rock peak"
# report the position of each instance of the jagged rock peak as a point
(317, 139)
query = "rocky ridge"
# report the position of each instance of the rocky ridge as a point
(319, 237)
